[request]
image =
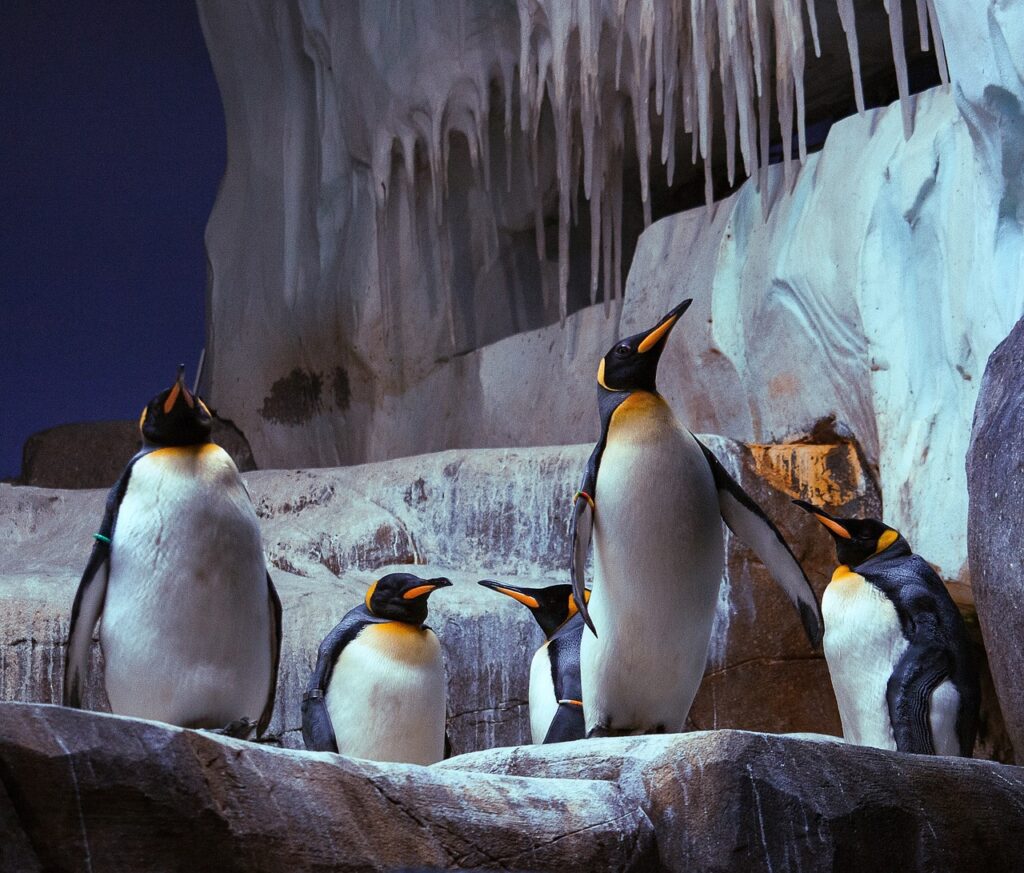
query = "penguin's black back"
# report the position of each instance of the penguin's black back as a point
(932, 624)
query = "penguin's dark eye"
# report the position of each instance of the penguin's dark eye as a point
(622, 350)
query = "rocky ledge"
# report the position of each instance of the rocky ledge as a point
(87, 791)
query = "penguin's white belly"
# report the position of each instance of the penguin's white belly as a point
(658, 559)
(863, 643)
(186, 628)
(543, 704)
(943, 709)
(386, 697)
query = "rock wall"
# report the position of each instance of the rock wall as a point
(469, 515)
(95, 792)
(995, 476)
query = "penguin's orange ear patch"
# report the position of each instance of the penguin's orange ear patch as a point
(886, 540)
(142, 418)
(834, 526)
(600, 376)
(369, 595)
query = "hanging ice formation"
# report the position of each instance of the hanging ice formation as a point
(613, 72)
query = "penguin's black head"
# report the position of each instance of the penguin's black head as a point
(402, 596)
(857, 539)
(632, 363)
(176, 417)
(552, 606)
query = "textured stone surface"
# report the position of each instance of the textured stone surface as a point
(80, 791)
(92, 454)
(467, 514)
(995, 476)
(96, 792)
(728, 800)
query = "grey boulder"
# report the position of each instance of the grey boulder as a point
(995, 480)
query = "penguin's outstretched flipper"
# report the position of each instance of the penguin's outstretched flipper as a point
(275, 648)
(747, 521)
(91, 594)
(568, 723)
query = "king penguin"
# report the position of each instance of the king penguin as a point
(896, 646)
(653, 499)
(191, 630)
(556, 704)
(378, 688)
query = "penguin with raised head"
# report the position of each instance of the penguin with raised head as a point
(896, 645)
(653, 499)
(378, 688)
(556, 704)
(191, 630)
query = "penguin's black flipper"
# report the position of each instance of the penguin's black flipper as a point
(317, 730)
(582, 526)
(567, 725)
(91, 594)
(275, 648)
(747, 520)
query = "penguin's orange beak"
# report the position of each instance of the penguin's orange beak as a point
(178, 390)
(426, 588)
(519, 594)
(663, 328)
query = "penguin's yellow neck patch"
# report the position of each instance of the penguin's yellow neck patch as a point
(194, 451)
(637, 408)
(401, 641)
(843, 573)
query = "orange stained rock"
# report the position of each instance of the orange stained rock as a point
(825, 474)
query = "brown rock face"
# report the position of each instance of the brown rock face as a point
(92, 454)
(995, 479)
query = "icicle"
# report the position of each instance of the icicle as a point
(813, 18)
(895, 10)
(847, 17)
(922, 23)
(506, 80)
(940, 48)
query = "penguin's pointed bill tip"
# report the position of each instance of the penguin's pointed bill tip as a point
(428, 586)
(657, 334)
(520, 594)
(833, 526)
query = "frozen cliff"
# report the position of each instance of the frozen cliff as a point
(429, 209)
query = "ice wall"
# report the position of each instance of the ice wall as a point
(409, 182)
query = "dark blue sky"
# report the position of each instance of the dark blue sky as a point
(111, 150)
